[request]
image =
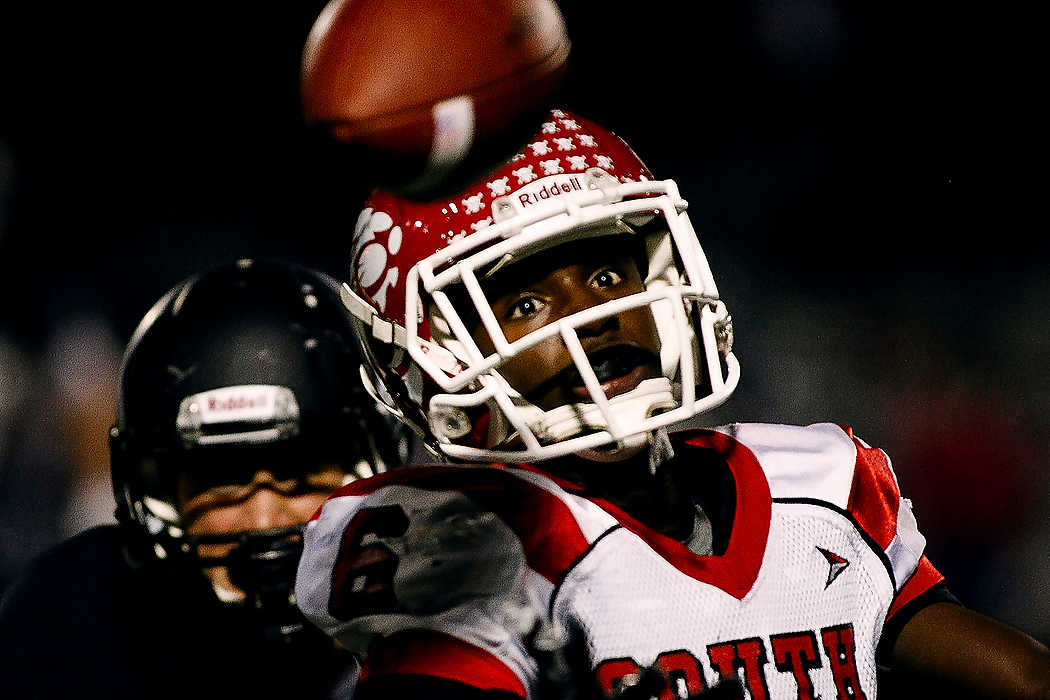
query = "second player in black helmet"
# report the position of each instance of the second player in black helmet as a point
(238, 412)
(240, 409)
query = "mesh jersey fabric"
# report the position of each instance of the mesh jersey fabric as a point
(821, 552)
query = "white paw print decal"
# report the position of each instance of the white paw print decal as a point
(373, 256)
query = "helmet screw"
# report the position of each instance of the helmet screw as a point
(502, 209)
(724, 335)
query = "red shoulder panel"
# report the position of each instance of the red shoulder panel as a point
(874, 497)
(545, 525)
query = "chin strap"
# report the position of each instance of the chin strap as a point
(650, 397)
(263, 565)
(660, 449)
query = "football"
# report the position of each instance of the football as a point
(420, 91)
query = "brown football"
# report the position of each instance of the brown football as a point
(420, 88)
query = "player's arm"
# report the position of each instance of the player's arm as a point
(415, 579)
(932, 645)
(425, 572)
(961, 653)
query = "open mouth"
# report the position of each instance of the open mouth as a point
(619, 369)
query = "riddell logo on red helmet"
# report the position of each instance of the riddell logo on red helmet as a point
(554, 188)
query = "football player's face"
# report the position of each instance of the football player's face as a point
(623, 349)
(262, 504)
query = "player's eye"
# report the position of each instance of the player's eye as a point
(606, 277)
(524, 307)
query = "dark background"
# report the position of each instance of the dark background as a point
(867, 183)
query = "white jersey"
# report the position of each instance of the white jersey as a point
(434, 569)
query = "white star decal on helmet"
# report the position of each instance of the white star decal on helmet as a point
(525, 175)
(552, 166)
(473, 203)
(540, 148)
(499, 187)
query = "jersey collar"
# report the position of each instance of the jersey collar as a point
(735, 571)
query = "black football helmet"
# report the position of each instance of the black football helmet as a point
(247, 366)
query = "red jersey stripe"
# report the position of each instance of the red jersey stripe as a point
(926, 576)
(430, 653)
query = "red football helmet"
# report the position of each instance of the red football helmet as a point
(415, 262)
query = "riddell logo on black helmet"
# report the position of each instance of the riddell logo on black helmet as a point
(260, 404)
(232, 403)
(252, 402)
